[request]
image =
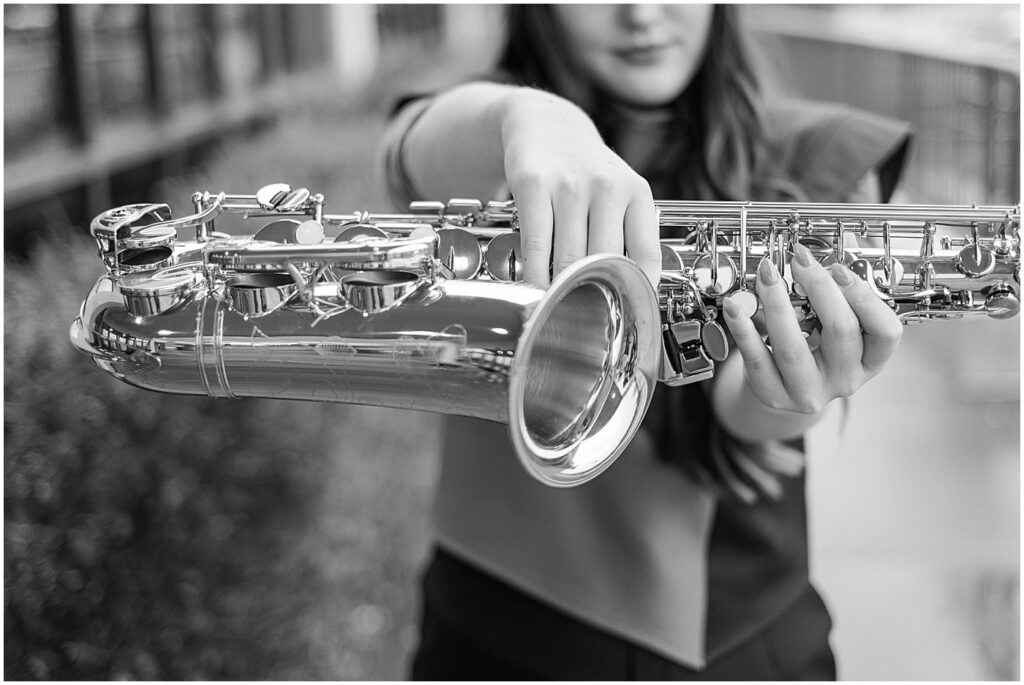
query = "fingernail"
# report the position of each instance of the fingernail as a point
(730, 308)
(767, 272)
(841, 275)
(803, 255)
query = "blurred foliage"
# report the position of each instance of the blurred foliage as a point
(117, 502)
(152, 536)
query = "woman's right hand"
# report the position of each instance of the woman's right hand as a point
(575, 197)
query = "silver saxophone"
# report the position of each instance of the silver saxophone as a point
(427, 310)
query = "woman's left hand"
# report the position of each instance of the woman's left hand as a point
(859, 334)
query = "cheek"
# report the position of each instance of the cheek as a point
(693, 19)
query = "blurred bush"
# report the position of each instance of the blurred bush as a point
(115, 498)
(152, 536)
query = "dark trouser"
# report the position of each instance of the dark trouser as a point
(477, 628)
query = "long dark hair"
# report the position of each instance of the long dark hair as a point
(721, 151)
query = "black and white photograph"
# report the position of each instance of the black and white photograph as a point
(388, 342)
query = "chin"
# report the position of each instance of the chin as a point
(655, 96)
(651, 89)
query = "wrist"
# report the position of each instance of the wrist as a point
(521, 108)
(742, 413)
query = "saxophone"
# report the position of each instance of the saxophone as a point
(427, 310)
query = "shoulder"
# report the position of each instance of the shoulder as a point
(828, 148)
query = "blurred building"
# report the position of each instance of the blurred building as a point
(953, 71)
(101, 99)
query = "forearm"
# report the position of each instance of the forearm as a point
(457, 147)
(481, 138)
(743, 415)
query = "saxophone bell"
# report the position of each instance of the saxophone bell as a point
(585, 371)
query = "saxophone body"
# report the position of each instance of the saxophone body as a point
(287, 314)
(427, 310)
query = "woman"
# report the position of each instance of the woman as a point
(687, 559)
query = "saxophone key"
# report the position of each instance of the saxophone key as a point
(360, 232)
(714, 340)
(270, 196)
(833, 257)
(122, 222)
(746, 301)
(684, 358)
(889, 274)
(721, 282)
(257, 294)
(149, 294)
(975, 261)
(142, 260)
(293, 201)
(372, 292)
(292, 232)
(670, 259)
(459, 251)
(1002, 302)
(503, 259)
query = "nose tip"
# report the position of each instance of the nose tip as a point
(636, 16)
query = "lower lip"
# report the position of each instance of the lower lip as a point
(642, 56)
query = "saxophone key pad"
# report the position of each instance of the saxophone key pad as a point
(256, 294)
(717, 284)
(503, 260)
(1002, 302)
(147, 248)
(714, 341)
(895, 273)
(670, 259)
(459, 251)
(975, 261)
(746, 301)
(270, 196)
(360, 231)
(372, 292)
(292, 232)
(293, 201)
(149, 294)
(143, 260)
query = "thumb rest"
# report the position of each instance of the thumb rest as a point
(426, 310)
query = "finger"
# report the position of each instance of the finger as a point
(536, 220)
(643, 238)
(789, 347)
(841, 342)
(765, 482)
(607, 224)
(882, 329)
(570, 236)
(762, 374)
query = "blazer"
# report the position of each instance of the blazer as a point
(644, 551)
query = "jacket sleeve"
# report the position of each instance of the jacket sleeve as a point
(404, 114)
(397, 181)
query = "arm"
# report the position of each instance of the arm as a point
(574, 195)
